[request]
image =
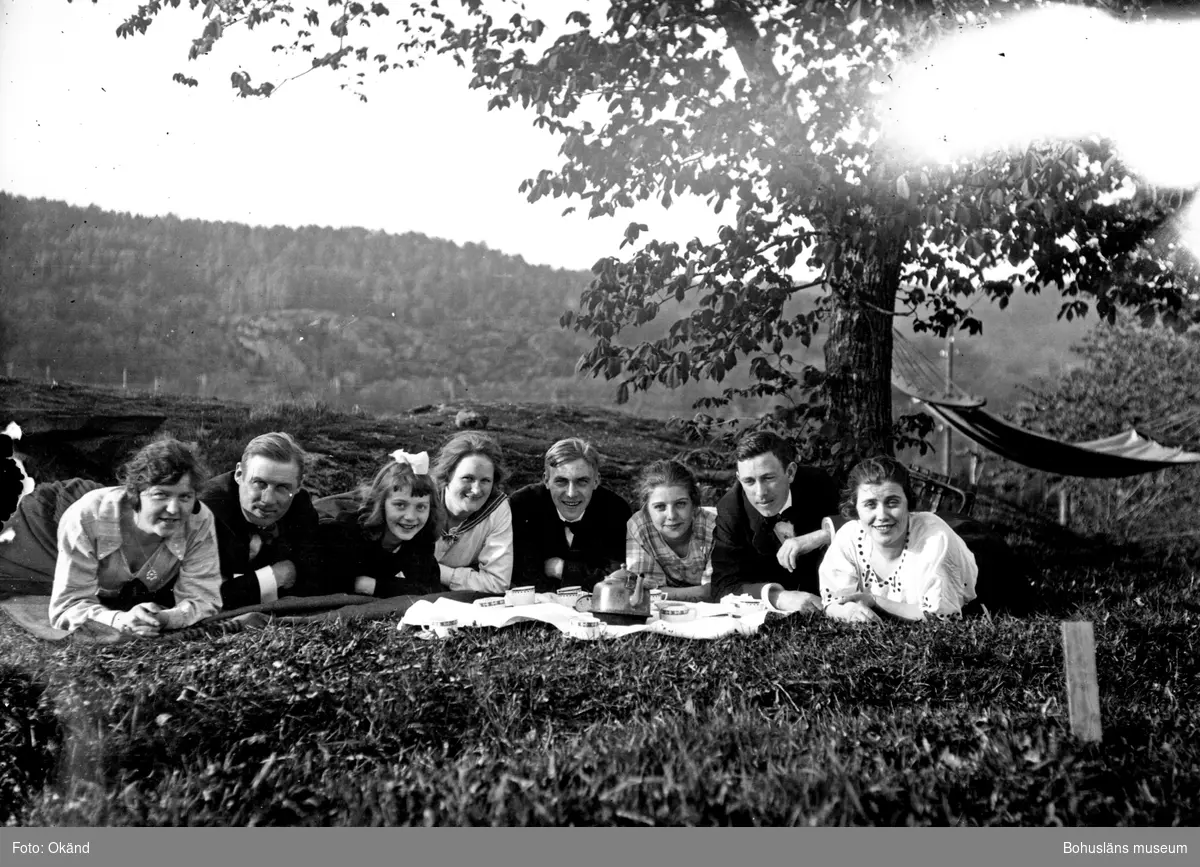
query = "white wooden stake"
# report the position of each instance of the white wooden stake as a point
(1083, 690)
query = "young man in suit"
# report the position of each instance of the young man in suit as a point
(567, 529)
(768, 540)
(266, 525)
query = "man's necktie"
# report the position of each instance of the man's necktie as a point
(781, 525)
(259, 536)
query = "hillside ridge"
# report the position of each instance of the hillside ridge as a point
(344, 448)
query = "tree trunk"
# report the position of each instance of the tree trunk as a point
(858, 355)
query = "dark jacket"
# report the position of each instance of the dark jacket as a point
(27, 562)
(597, 549)
(296, 541)
(745, 545)
(351, 551)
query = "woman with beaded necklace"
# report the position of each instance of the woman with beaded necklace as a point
(909, 565)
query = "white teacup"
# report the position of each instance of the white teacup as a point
(676, 612)
(443, 628)
(750, 606)
(657, 596)
(589, 628)
(490, 602)
(520, 596)
(568, 595)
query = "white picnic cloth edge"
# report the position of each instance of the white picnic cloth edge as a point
(713, 619)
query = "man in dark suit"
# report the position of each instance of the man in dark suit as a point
(768, 540)
(266, 525)
(567, 529)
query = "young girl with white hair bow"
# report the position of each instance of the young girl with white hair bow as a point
(381, 543)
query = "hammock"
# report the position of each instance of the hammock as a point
(1125, 454)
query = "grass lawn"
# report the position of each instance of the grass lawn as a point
(807, 722)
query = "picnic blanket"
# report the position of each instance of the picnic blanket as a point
(32, 613)
(712, 619)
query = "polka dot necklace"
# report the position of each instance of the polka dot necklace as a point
(870, 576)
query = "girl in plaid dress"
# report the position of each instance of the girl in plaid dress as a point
(670, 538)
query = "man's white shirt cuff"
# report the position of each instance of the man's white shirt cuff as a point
(268, 586)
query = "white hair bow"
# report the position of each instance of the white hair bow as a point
(419, 462)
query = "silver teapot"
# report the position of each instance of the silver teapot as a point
(622, 597)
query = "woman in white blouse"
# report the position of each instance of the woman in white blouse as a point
(890, 561)
(475, 551)
(139, 557)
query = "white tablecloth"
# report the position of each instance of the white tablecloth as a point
(713, 619)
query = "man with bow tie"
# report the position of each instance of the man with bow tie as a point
(768, 540)
(266, 525)
(567, 529)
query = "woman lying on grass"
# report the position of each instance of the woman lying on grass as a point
(475, 551)
(890, 560)
(140, 557)
(670, 538)
(383, 544)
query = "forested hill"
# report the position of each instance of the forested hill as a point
(357, 317)
(385, 318)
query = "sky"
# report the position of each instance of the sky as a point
(990, 86)
(1061, 72)
(89, 118)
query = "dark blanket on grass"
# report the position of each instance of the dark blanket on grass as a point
(32, 613)
(1004, 584)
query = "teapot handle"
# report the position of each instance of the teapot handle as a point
(636, 598)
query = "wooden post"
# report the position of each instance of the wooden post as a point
(156, 385)
(9, 365)
(47, 373)
(125, 379)
(203, 384)
(1083, 691)
(947, 458)
(1064, 505)
(976, 467)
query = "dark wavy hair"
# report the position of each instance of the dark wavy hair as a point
(463, 445)
(162, 462)
(875, 471)
(396, 476)
(666, 472)
(761, 442)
